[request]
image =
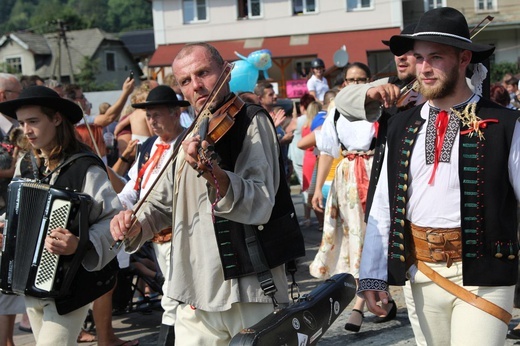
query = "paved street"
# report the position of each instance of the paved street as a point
(145, 327)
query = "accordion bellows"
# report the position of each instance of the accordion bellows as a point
(33, 211)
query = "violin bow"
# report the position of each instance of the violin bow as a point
(221, 81)
(472, 34)
(91, 135)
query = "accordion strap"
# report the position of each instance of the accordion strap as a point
(62, 164)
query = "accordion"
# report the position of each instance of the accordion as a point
(33, 211)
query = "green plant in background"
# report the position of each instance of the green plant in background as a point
(87, 77)
(6, 68)
(498, 70)
(109, 15)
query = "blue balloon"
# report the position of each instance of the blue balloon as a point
(243, 77)
(260, 59)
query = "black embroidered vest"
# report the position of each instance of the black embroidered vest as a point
(488, 203)
(280, 238)
(380, 146)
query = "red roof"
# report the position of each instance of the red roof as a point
(321, 45)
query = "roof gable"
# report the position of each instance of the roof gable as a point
(81, 43)
(35, 43)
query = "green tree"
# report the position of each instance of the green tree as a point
(5, 10)
(109, 15)
(126, 15)
(46, 14)
(90, 68)
(87, 77)
(5, 68)
(498, 70)
(93, 12)
(20, 15)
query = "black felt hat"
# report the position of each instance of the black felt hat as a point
(161, 95)
(408, 30)
(42, 96)
(443, 25)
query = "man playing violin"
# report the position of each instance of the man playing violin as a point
(220, 188)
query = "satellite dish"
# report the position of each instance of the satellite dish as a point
(341, 57)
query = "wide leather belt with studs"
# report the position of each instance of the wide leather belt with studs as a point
(437, 244)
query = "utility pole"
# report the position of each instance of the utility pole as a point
(62, 35)
(58, 63)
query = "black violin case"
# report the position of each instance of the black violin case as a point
(304, 322)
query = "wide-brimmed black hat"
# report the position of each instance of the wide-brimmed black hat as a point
(408, 30)
(443, 25)
(42, 96)
(161, 95)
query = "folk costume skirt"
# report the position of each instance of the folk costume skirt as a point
(344, 226)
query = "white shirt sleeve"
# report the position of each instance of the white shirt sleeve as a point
(514, 161)
(327, 142)
(128, 196)
(374, 259)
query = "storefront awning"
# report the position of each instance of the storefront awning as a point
(358, 43)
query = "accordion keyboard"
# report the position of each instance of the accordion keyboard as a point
(49, 262)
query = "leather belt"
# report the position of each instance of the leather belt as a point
(465, 295)
(163, 236)
(445, 245)
(437, 244)
(353, 153)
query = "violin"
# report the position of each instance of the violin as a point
(221, 120)
(409, 96)
(214, 127)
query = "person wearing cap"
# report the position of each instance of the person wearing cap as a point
(212, 204)
(317, 85)
(444, 210)
(47, 121)
(163, 115)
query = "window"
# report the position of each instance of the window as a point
(486, 5)
(382, 62)
(194, 11)
(354, 5)
(14, 64)
(110, 60)
(431, 4)
(302, 68)
(304, 6)
(249, 8)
